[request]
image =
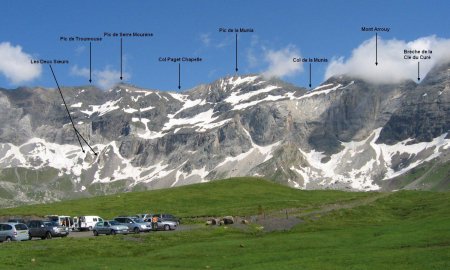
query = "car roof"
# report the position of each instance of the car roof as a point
(13, 223)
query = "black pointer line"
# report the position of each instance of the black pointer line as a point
(85, 141)
(121, 59)
(376, 49)
(68, 113)
(418, 72)
(90, 62)
(310, 75)
(70, 117)
(237, 53)
(179, 75)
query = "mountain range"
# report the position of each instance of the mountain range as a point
(346, 134)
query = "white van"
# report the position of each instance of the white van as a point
(88, 222)
(66, 221)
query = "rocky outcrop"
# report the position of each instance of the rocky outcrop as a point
(424, 113)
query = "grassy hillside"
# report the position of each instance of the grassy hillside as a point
(238, 196)
(402, 230)
(433, 175)
(20, 183)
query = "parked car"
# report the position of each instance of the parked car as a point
(88, 222)
(162, 224)
(16, 220)
(46, 229)
(109, 227)
(134, 224)
(168, 217)
(144, 216)
(13, 232)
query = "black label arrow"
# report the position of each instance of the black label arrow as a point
(418, 71)
(179, 75)
(376, 49)
(90, 62)
(121, 59)
(70, 117)
(236, 53)
(309, 75)
(85, 142)
(67, 110)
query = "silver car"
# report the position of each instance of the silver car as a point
(111, 227)
(165, 225)
(46, 229)
(134, 224)
(13, 232)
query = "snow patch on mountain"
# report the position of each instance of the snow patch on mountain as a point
(321, 91)
(237, 98)
(146, 108)
(38, 153)
(388, 151)
(266, 99)
(130, 110)
(236, 81)
(147, 133)
(103, 109)
(264, 150)
(187, 103)
(341, 166)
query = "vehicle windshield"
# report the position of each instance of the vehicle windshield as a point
(138, 220)
(21, 226)
(113, 222)
(49, 224)
(53, 218)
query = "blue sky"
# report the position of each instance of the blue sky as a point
(329, 29)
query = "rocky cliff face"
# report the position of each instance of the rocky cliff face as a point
(345, 134)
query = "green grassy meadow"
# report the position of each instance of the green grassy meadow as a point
(237, 196)
(402, 230)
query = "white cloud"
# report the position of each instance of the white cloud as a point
(280, 62)
(83, 72)
(251, 58)
(254, 41)
(80, 49)
(15, 64)
(105, 78)
(205, 39)
(392, 67)
(228, 40)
